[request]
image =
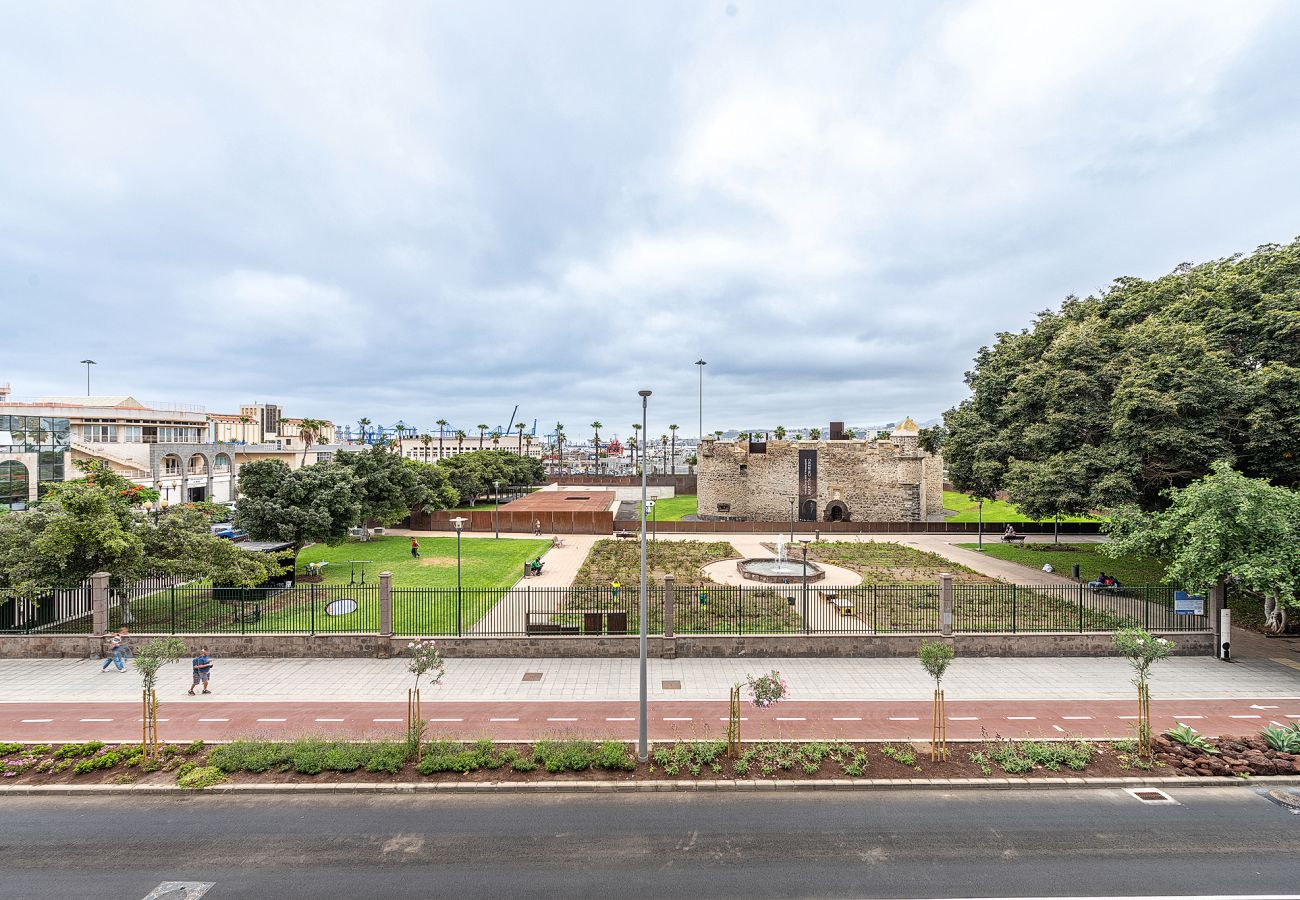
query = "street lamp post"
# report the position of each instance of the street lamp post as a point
(496, 514)
(88, 363)
(981, 505)
(701, 363)
(643, 741)
(459, 523)
(792, 503)
(804, 541)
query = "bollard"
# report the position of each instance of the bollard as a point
(669, 604)
(945, 604)
(99, 603)
(1074, 571)
(386, 603)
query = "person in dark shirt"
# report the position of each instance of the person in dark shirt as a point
(202, 671)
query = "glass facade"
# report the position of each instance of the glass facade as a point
(14, 485)
(30, 434)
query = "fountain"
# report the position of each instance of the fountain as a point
(779, 569)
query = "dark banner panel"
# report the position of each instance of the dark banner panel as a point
(808, 485)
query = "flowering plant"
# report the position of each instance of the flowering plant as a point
(767, 690)
(426, 659)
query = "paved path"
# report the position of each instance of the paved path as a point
(854, 698)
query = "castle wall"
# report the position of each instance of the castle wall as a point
(874, 480)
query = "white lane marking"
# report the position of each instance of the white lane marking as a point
(1126, 717)
(904, 719)
(678, 719)
(620, 718)
(1021, 718)
(1244, 717)
(214, 720)
(1180, 718)
(95, 720)
(446, 720)
(272, 720)
(963, 718)
(1289, 716)
(1059, 728)
(791, 719)
(329, 720)
(724, 719)
(35, 721)
(846, 718)
(388, 720)
(563, 719)
(1074, 718)
(503, 720)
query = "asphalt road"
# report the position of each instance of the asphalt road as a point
(930, 844)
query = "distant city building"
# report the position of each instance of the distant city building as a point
(264, 423)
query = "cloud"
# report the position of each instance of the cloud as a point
(410, 211)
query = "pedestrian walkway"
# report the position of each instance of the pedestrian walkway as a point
(983, 678)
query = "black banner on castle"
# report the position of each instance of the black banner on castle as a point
(807, 485)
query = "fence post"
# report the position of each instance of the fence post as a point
(386, 604)
(1080, 607)
(945, 603)
(99, 602)
(669, 603)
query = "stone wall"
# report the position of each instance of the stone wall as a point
(692, 646)
(879, 481)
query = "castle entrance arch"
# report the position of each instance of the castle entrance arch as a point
(837, 511)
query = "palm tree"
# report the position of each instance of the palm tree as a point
(309, 430)
(496, 441)
(426, 440)
(849, 434)
(528, 441)
(663, 442)
(482, 430)
(814, 434)
(634, 443)
(520, 429)
(442, 427)
(559, 444)
(363, 423)
(631, 443)
(779, 432)
(597, 425)
(718, 435)
(460, 442)
(673, 429)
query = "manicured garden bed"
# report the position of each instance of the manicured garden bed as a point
(484, 562)
(1134, 570)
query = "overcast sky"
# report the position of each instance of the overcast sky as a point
(414, 211)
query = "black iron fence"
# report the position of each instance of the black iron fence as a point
(158, 606)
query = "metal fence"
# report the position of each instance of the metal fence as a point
(156, 606)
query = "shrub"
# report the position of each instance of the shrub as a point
(90, 763)
(905, 755)
(387, 757)
(193, 747)
(249, 756)
(1283, 738)
(307, 757)
(565, 756)
(69, 751)
(196, 779)
(1188, 736)
(344, 757)
(7, 749)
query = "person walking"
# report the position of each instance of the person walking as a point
(415, 548)
(202, 671)
(118, 647)
(537, 528)
(615, 588)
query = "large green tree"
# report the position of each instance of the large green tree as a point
(385, 489)
(1223, 525)
(313, 504)
(1117, 398)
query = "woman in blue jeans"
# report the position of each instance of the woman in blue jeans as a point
(117, 643)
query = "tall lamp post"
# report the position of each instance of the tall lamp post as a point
(643, 741)
(459, 523)
(792, 503)
(804, 541)
(981, 505)
(88, 363)
(496, 513)
(701, 363)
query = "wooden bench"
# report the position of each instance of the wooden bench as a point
(845, 607)
(1013, 538)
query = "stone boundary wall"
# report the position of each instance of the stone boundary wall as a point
(681, 646)
(992, 530)
(681, 484)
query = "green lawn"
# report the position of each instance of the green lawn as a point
(965, 509)
(671, 509)
(485, 562)
(1134, 570)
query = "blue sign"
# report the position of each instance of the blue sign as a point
(1186, 604)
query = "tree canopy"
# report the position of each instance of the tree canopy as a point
(312, 504)
(1223, 525)
(1117, 398)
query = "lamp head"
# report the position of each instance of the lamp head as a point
(645, 393)
(458, 522)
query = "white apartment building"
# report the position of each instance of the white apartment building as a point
(264, 423)
(415, 448)
(166, 446)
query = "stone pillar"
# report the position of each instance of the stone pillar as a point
(99, 603)
(669, 605)
(945, 604)
(386, 604)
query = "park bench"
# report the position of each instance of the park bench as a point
(315, 571)
(845, 607)
(557, 541)
(1013, 538)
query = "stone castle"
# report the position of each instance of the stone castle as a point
(885, 480)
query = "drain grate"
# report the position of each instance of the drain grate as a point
(672, 685)
(1287, 799)
(1150, 795)
(532, 676)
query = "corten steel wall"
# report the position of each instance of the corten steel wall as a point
(992, 530)
(682, 646)
(520, 522)
(681, 484)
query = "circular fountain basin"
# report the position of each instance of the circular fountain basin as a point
(770, 571)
